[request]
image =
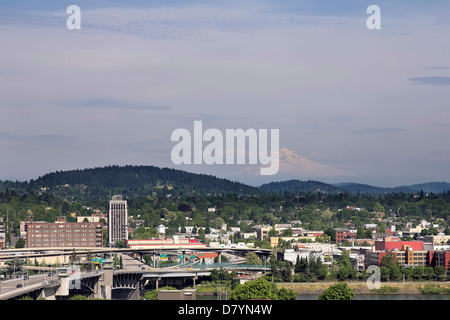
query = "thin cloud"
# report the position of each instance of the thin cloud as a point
(438, 67)
(110, 103)
(40, 139)
(440, 124)
(435, 81)
(371, 130)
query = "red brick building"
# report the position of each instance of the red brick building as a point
(64, 234)
(345, 234)
(440, 258)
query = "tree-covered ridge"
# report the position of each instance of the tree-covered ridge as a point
(179, 199)
(314, 211)
(299, 186)
(99, 183)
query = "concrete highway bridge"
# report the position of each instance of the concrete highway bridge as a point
(65, 252)
(107, 283)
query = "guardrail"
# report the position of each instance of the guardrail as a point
(198, 265)
(229, 266)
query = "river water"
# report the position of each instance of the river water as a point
(364, 297)
(385, 297)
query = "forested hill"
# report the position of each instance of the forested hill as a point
(298, 186)
(133, 181)
(97, 184)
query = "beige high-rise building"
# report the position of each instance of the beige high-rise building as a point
(117, 220)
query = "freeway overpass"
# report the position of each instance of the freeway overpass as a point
(113, 284)
(65, 252)
(49, 286)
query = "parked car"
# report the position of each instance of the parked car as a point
(50, 274)
(19, 285)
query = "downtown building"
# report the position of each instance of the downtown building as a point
(117, 220)
(406, 253)
(64, 234)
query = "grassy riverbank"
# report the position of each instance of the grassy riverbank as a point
(316, 288)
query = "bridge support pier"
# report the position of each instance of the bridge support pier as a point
(104, 284)
(157, 283)
(64, 277)
(48, 294)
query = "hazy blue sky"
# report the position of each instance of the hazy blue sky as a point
(371, 102)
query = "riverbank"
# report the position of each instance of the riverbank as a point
(360, 288)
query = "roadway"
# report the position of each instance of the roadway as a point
(10, 285)
(132, 264)
(31, 253)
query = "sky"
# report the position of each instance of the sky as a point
(373, 103)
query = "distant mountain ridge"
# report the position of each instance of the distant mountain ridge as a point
(350, 187)
(99, 183)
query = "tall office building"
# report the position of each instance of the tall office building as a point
(117, 220)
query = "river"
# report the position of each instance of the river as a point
(385, 297)
(364, 297)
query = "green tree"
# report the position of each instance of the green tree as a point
(223, 259)
(439, 271)
(321, 269)
(300, 265)
(261, 289)
(417, 273)
(272, 233)
(428, 273)
(275, 266)
(119, 244)
(338, 291)
(378, 207)
(384, 273)
(285, 294)
(288, 232)
(345, 270)
(201, 235)
(252, 259)
(221, 275)
(15, 266)
(287, 272)
(392, 271)
(361, 233)
(20, 243)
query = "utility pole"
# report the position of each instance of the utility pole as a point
(7, 224)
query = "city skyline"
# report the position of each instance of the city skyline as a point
(370, 103)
